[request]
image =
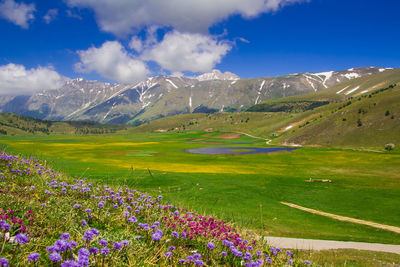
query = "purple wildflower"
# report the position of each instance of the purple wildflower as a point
(196, 256)
(88, 210)
(77, 206)
(65, 236)
(21, 239)
(84, 252)
(101, 204)
(182, 261)
(33, 257)
(55, 257)
(125, 242)
(210, 245)
(199, 262)
(4, 262)
(168, 254)
(83, 261)
(61, 245)
(224, 254)
(157, 235)
(175, 234)
(94, 231)
(71, 245)
(117, 246)
(132, 219)
(83, 222)
(104, 251)
(94, 250)
(88, 236)
(103, 242)
(183, 234)
(171, 248)
(69, 263)
(307, 262)
(5, 226)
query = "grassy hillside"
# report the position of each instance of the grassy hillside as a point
(255, 123)
(12, 124)
(334, 94)
(369, 120)
(363, 112)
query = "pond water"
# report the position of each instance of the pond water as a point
(237, 150)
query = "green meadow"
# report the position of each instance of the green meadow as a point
(244, 189)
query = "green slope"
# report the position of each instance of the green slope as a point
(362, 112)
(370, 120)
(337, 93)
(12, 124)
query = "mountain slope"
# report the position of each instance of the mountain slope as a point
(359, 119)
(12, 124)
(165, 96)
(370, 120)
(238, 95)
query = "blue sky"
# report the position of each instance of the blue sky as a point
(126, 41)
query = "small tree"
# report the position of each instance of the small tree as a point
(387, 113)
(389, 147)
(359, 123)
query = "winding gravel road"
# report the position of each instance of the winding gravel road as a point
(297, 243)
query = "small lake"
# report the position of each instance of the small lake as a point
(237, 150)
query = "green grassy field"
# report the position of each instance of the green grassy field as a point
(245, 189)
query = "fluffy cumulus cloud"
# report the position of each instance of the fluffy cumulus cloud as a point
(126, 16)
(187, 52)
(50, 15)
(112, 61)
(186, 46)
(17, 80)
(18, 13)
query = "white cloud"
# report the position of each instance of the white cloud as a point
(136, 44)
(73, 14)
(126, 16)
(17, 80)
(112, 61)
(18, 13)
(50, 15)
(193, 52)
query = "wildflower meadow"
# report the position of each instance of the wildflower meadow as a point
(50, 219)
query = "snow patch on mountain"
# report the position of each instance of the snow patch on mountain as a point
(259, 92)
(338, 92)
(351, 76)
(352, 90)
(217, 75)
(174, 85)
(327, 75)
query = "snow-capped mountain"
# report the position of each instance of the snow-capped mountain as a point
(162, 96)
(217, 75)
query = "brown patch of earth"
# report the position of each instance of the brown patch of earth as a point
(229, 136)
(370, 89)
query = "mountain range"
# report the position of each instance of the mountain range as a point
(161, 96)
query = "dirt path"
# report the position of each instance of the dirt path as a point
(345, 219)
(297, 243)
(256, 137)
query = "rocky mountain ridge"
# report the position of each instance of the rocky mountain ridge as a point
(163, 96)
